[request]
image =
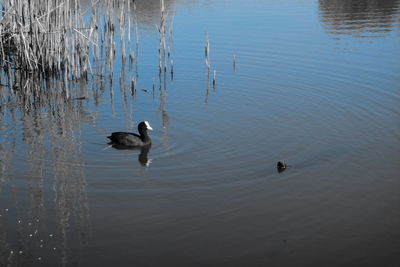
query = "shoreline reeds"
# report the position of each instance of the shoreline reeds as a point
(69, 41)
(49, 37)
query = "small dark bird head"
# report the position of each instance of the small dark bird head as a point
(281, 166)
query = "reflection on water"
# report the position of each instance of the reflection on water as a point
(49, 126)
(69, 183)
(147, 11)
(360, 18)
(143, 157)
(45, 214)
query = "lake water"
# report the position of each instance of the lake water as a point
(313, 83)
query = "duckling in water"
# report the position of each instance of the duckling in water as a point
(281, 166)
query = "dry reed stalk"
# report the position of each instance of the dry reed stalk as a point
(207, 51)
(162, 31)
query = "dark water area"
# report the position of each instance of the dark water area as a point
(313, 83)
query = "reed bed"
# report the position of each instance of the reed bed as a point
(59, 38)
(64, 40)
(47, 36)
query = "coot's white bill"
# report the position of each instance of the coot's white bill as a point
(148, 125)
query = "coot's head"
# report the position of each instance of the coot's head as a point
(144, 126)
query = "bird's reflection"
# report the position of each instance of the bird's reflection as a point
(143, 157)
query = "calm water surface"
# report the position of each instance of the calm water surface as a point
(315, 83)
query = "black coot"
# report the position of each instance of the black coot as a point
(124, 139)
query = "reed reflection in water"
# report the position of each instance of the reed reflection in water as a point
(41, 150)
(365, 18)
(51, 224)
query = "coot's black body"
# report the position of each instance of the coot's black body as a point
(131, 140)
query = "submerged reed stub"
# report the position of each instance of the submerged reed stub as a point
(214, 78)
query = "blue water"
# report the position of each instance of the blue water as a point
(313, 83)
